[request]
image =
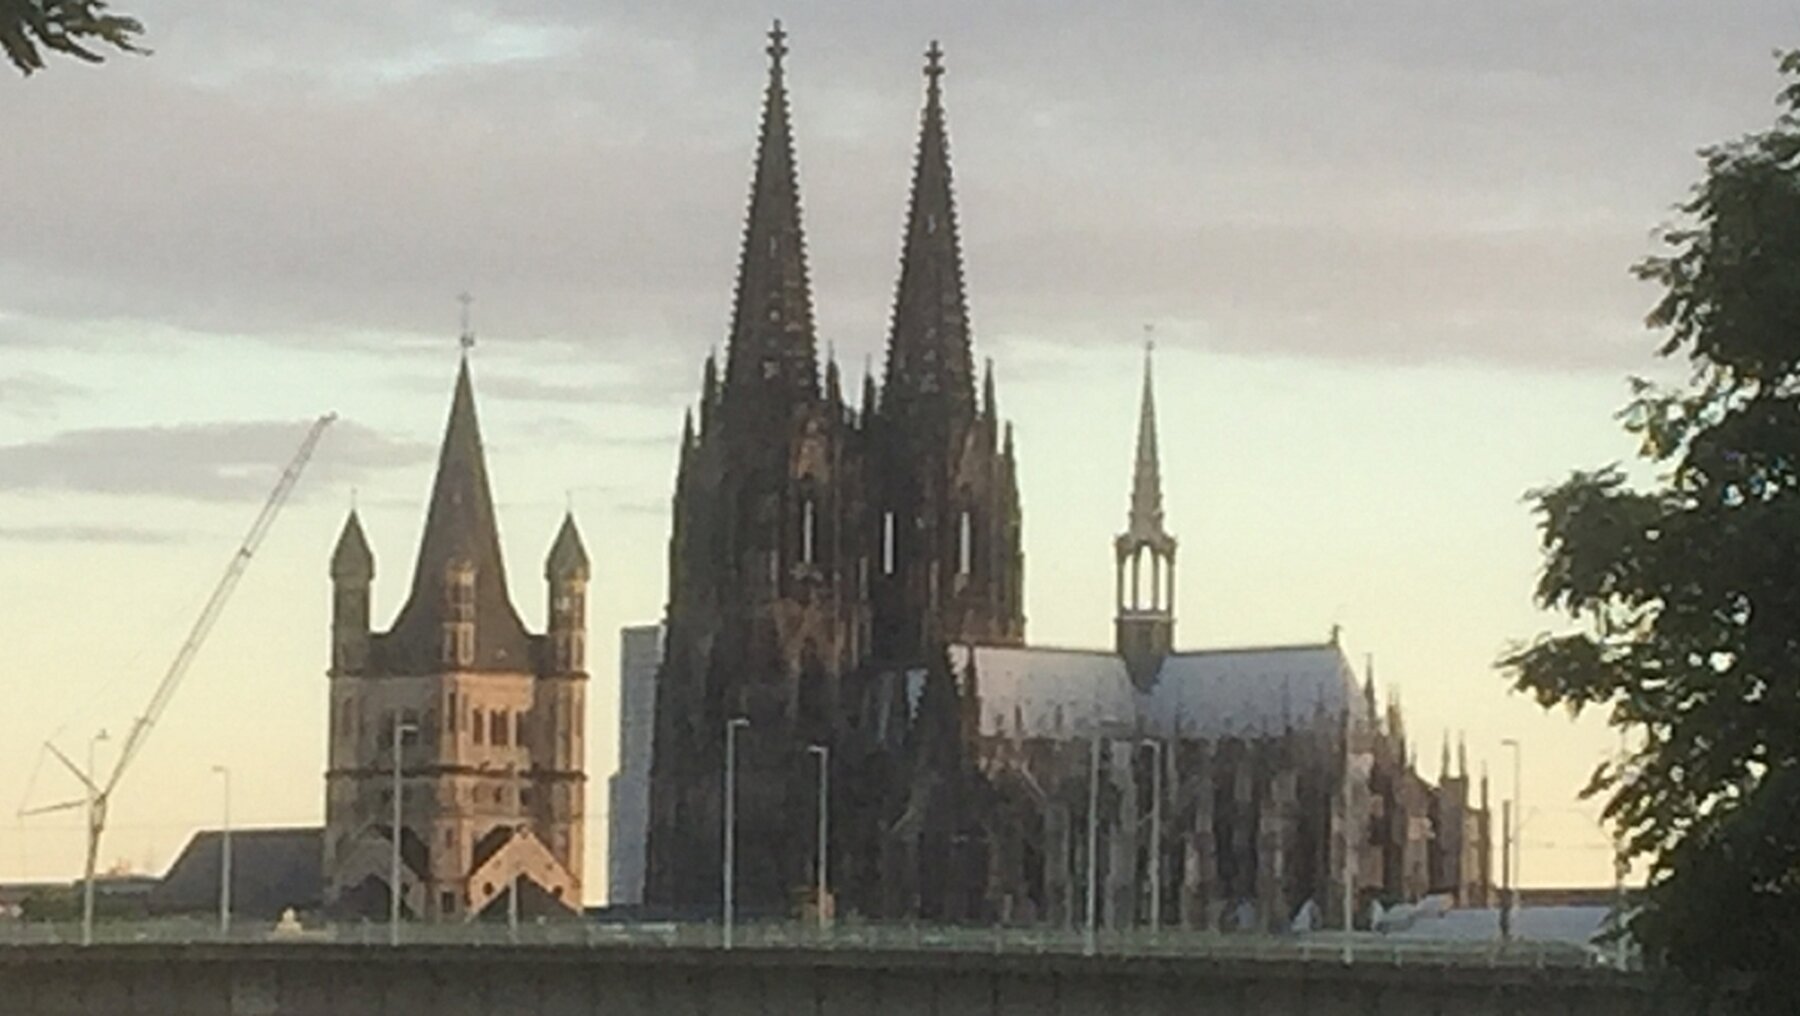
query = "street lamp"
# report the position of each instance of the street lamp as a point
(824, 754)
(93, 817)
(1517, 826)
(729, 864)
(225, 858)
(1156, 796)
(1093, 844)
(401, 728)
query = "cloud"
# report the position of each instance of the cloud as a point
(227, 461)
(88, 534)
(32, 394)
(1387, 180)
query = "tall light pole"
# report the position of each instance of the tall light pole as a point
(401, 729)
(729, 865)
(1518, 822)
(824, 754)
(1156, 796)
(1093, 845)
(225, 858)
(95, 820)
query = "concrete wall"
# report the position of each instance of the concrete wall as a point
(330, 980)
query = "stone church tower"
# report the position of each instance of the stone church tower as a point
(486, 715)
(821, 559)
(768, 566)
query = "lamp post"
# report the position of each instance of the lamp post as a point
(225, 858)
(401, 729)
(1156, 796)
(824, 755)
(1517, 827)
(1093, 845)
(93, 818)
(729, 865)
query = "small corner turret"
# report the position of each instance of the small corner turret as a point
(566, 572)
(352, 573)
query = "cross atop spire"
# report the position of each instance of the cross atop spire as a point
(934, 64)
(777, 43)
(466, 338)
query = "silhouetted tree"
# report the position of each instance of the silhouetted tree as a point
(1686, 589)
(73, 27)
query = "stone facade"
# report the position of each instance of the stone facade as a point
(488, 715)
(847, 580)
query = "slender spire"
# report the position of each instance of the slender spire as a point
(1146, 477)
(461, 532)
(928, 356)
(990, 405)
(772, 340)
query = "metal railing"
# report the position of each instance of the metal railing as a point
(1359, 948)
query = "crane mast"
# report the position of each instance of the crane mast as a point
(99, 794)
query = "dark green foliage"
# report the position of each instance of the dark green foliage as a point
(72, 27)
(1687, 593)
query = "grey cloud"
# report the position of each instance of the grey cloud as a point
(34, 394)
(88, 534)
(227, 461)
(1394, 180)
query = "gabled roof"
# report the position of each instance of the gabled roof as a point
(460, 531)
(1212, 693)
(930, 367)
(271, 870)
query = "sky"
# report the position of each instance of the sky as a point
(1384, 246)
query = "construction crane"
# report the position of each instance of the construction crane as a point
(99, 793)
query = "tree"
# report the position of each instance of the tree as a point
(1685, 590)
(72, 27)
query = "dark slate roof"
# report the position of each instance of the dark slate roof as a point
(271, 871)
(567, 558)
(460, 527)
(352, 561)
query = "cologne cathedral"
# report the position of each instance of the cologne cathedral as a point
(845, 591)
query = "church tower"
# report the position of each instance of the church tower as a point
(1144, 556)
(945, 485)
(767, 568)
(471, 719)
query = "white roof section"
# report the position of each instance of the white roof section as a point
(1029, 692)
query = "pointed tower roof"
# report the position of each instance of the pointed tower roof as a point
(460, 530)
(352, 561)
(567, 558)
(772, 339)
(928, 356)
(1144, 525)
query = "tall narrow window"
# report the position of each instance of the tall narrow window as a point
(497, 728)
(808, 532)
(476, 728)
(887, 543)
(965, 544)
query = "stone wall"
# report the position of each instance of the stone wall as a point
(326, 980)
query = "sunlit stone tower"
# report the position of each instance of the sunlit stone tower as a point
(488, 715)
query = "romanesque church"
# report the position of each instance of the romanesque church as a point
(472, 720)
(846, 584)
